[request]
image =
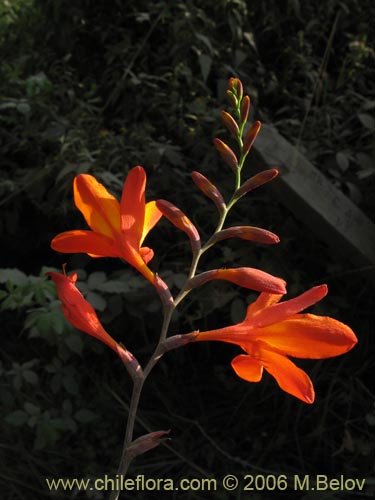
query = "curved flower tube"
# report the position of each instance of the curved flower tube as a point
(78, 311)
(82, 316)
(272, 331)
(117, 229)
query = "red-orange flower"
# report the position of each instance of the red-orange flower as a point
(272, 331)
(78, 311)
(117, 229)
(82, 316)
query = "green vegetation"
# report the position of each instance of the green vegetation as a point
(101, 87)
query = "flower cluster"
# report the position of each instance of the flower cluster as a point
(271, 332)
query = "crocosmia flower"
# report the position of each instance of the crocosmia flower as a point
(78, 311)
(272, 332)
(117, 229)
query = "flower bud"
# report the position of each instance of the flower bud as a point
(230, 123)
(146, 443)
(256, 181)
(246, 277)
(244, 108)
(232, 99)
(235, 85)
(249, 233)
(179, 219)
(227, 154)
(209, 189)
(250, 137)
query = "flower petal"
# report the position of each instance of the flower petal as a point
(146, 253)
(78, 311)
(136, 259)
(133, 206)
(289, 377)
(279, 312)
(264, 300)
(78, 241)
(152, 217)
(247, 368)
(100, 209)
(308, 336)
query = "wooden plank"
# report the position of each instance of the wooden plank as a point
(313, 199)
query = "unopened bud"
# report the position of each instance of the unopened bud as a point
(233, 101)
(256, 181)
(249, 233)
(210, 190)
(227, 154)
(244, 108)
(230, 123)
(250, 137)
(246, 277)
(179, 219)
(146, 443)
(235, 85)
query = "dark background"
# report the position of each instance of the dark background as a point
(103, 86)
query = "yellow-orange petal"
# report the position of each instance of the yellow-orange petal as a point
(281, 311)
(132, 206)
(289, 377)
(100, 209)
(80, 241)
(264, 300)
(247, 368)
(308, 336)
(135, 259)
(78, 311)
(152, 217)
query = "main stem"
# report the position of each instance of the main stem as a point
(136, 395)
(126, 458)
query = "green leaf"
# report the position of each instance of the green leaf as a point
(367, 121)
(85, 416)
(30, 377)
(114, 286)
(16, 418)
(14, 276)
(70, 384)
(96, 301)
(96, 279)
(205, 63)
(74, 342)
(31, 408)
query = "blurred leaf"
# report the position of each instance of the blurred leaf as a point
(14, 276)
(74, 342)
(367, 121)
(85, 416)
(16, 418)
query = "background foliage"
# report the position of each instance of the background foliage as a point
(100, 87)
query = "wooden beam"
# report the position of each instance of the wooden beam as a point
(313, 199)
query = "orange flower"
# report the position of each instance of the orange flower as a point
(82, 316)
(78, 311)
(117, 229)
(271, 332)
